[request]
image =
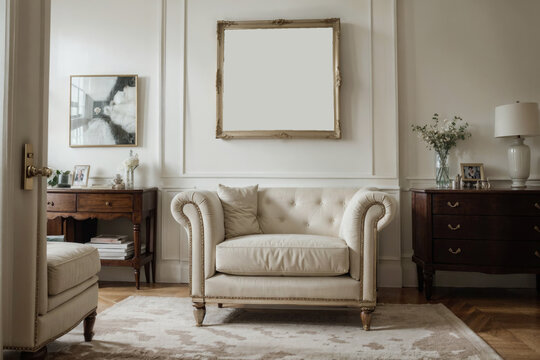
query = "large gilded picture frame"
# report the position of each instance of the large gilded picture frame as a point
(278, 84)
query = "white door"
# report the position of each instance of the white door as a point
(24, 121)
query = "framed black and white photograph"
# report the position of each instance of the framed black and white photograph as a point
(80, 175)
(472, 172)
(103, 110)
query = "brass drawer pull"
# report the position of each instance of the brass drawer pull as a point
(537, 254)
(454, 228)
(536, 205)
(456, 204)
(107, 203)
(51, 203)
(454, 252)
(536, 228)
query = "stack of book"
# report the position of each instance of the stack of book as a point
(114, 247)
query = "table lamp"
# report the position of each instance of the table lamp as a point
(518, 121)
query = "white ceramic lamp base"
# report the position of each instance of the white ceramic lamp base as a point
(519, 162)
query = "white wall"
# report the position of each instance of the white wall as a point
(464, 57)
(178, 147)
(455, 57)
(105, 37)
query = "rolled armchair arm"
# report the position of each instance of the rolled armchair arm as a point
(366, 214)
(201, 214)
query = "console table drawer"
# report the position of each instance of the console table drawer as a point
(477, 204)
(61, 202)
(487, 253)
(486, 227)
(105, 202)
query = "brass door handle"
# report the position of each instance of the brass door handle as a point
(108, 203)
(537, 254)
(51, 203)
(536, 205)
(454, 252)
(456, 204)
(454, 228)
(32, 171)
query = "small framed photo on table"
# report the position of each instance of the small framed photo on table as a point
(80, 175)
(472, 172)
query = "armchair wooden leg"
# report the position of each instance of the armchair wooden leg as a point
(199, 311)
(89, 326)
(220, 305)
(37, 355)
(366, 318)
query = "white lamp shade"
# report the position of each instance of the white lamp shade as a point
(519, 119)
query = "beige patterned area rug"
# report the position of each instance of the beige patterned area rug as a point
(142, 327)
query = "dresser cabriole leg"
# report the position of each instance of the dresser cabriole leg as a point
(420, 277)
(428, 283)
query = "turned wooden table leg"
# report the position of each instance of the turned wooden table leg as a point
(136, 256)
(366, 318)
(137, 273)
(153, 244)
(37, 355)
(89, 322)
(147, 272)
(199, 311)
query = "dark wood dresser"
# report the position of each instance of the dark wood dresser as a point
(492, 231)
(73, 213)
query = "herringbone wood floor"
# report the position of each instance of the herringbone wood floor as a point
(507, 319)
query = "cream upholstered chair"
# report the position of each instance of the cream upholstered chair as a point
(66, 293)
(318, 247)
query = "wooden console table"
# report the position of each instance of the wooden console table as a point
(492, 231)
(73, 213)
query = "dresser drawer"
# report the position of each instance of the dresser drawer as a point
(487, 253)
(486, 227)
(482, 204)
(105, 202)
(61, 202)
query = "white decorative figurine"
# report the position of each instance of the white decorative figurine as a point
(118, 182)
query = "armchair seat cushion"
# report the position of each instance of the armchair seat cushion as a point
(70, 264)
(283, 255)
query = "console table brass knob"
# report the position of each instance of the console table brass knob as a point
(107, 203)
(454, 228)
(456, 204)
(454, 252)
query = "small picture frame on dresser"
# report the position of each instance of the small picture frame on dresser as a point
(80, 175)
(471, 173)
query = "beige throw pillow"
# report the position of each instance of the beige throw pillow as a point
(239, 210)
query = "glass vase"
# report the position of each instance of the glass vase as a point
(442, 170)
(130, 180)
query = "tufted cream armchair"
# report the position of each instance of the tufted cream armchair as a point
(318, 247)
